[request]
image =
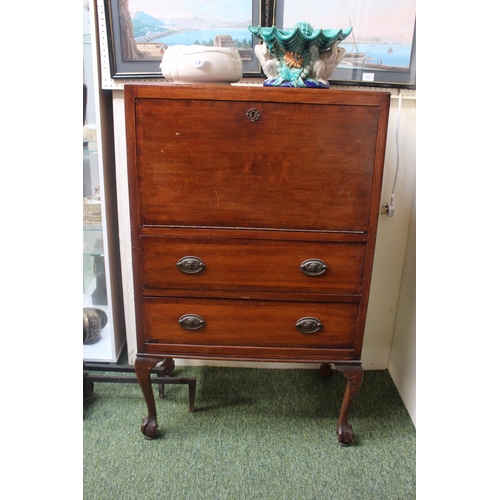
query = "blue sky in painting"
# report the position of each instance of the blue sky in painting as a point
(369, 18)
(238, 10)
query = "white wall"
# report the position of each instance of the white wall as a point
(390, 254)
(402, 363)
(392, 237)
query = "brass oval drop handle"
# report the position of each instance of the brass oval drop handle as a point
(308, 325)
(191, 322)
(190, 264)
(313, 267)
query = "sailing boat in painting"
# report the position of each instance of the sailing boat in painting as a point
(355, 57)
(369, 59)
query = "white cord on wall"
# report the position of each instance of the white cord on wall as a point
(389, 208)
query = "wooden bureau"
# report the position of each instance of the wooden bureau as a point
(253, 220)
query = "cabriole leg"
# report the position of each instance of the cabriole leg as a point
(354, 377)
(143, 367)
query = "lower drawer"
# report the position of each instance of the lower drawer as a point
(249, 323)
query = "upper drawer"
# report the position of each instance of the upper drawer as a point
(299, 166)
(240, 264)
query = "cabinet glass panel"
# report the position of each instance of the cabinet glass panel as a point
(98, 338)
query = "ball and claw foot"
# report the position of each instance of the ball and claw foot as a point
(345, 435)
(149, 427)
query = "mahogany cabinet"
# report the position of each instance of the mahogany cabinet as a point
(253, 216)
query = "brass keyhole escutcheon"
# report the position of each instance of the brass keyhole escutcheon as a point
(253, 115)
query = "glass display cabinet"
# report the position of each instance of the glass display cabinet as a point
(103, 330)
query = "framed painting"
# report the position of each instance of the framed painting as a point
(139, 31)
(381, 49)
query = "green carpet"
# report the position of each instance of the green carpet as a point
(263, 434)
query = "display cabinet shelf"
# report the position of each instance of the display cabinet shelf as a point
(103, 330)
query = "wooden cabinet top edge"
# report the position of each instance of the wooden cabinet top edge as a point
(346, 97)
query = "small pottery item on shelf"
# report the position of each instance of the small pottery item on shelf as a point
(94, 320)
(300, 57)
(202, 64)
(92, 208)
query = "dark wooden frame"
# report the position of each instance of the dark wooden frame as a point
(127, 69)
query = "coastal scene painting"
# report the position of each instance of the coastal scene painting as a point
(148, 27)
(382, 34)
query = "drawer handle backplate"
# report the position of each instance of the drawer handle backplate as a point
(308, 325)
(190, 265)
(313, 267)
(191, 322)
